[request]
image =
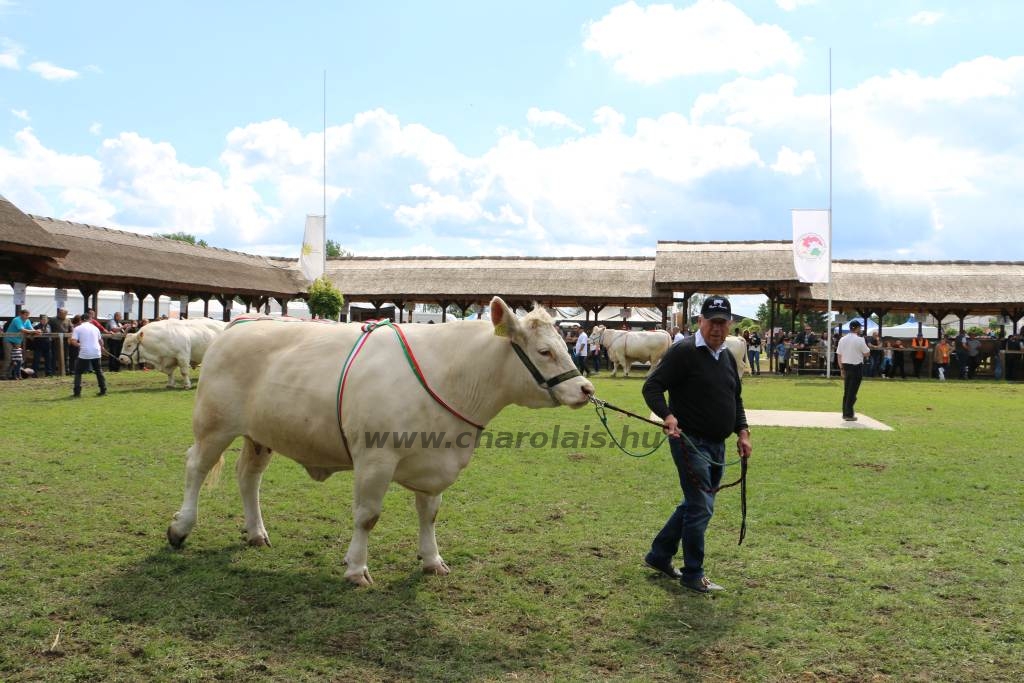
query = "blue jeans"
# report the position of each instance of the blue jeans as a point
(754, 359)
(690, 519)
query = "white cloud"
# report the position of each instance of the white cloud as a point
(926, 18)
(51, 72)
(553, 119)
(96, 128)
(790, 5)
(659, 42)
(21, 114)
(10, 53)
(793, 163)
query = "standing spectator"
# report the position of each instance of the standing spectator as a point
(942, 351)
(704, 408)
(804, 343)
(852, 352)
(887, 360)
(582, 351)
(962, 354)
(87, 339)
(115, 326)
(62, 325)
(14, 336)
(677, 335)
(920, 345)
(754, 352)
(898, 362)
(874, 343)
(42, 348)
(17, 362)
(570, 340)
(973, 355)
(782, 355)
(595, 356)
(1014, 345)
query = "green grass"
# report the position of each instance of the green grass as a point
(870, 555)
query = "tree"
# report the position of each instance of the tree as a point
(324, 299)
(336, 250)
(185, 237)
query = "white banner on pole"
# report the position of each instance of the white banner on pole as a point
(20, 289)
(311, 262)
(127, 302)
(811, 249)
(60, 298)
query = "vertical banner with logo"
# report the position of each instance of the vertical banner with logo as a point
(60, 298)
(311, 262)
(127, 302)
(811, 248)
(20, 290)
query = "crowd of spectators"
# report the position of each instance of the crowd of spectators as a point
(40, 339)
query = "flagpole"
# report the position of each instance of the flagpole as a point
(828, 314)
(323, 250)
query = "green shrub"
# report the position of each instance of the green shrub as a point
(324, 299)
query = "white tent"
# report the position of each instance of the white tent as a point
(909, 329)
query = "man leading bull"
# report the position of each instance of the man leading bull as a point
(704, 407)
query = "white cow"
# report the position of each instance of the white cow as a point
(171, 344)
(626, 347)
(277, 385)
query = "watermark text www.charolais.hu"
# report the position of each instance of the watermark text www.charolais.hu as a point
(554, 438)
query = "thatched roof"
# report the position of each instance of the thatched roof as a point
(20, 234)
(725, 267)
(118, 259)
(979, 286)
(553, 281)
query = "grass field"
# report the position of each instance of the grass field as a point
(870, 556)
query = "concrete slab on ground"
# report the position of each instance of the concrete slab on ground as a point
(802, 418)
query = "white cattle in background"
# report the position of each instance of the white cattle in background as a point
(627, 347)
(277, 385)
(170, 345)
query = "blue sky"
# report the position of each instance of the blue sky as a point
(533, 128)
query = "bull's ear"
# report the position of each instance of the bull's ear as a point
(504, 320)
(140, 335)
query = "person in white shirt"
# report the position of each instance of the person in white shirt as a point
(86, 337)
(582, 351)
(852, 351)
(677, 335)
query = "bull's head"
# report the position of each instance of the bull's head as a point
(544, 354)
(130, 349)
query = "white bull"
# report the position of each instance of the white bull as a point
(171, 344)
(626, 347)
(277, 385)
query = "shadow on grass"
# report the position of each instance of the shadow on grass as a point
(292, 616)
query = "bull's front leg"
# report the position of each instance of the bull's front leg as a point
(184, 367)
(168, 367)
(427, 506)
(371, 483)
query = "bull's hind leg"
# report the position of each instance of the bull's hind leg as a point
(184, 367)
(249, 471)
(371, 483)
(427, 506)
(203, 456)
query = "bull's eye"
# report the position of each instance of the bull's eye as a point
(545, 352)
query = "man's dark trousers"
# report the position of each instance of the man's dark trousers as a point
(698, 473)
(852, 375)
(89, 365)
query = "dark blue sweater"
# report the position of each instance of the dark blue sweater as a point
(704, 395)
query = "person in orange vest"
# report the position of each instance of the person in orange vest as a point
(942, 358)
(920, 346)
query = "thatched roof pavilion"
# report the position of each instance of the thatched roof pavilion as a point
(759, 267)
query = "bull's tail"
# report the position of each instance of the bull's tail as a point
(213, 478)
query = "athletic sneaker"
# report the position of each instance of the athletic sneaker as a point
(664, 567)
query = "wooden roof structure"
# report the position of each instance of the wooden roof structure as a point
(50, 252)
(582, 281)
(980, 287)
(752, 267)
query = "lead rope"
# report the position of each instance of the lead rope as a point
(600, 407)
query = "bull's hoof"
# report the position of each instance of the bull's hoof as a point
(258, 541)
(175, 539)
(361, 579)
(439, 569)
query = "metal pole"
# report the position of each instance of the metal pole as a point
(828, 313)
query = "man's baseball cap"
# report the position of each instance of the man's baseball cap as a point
(716, 308)
(854, 323)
